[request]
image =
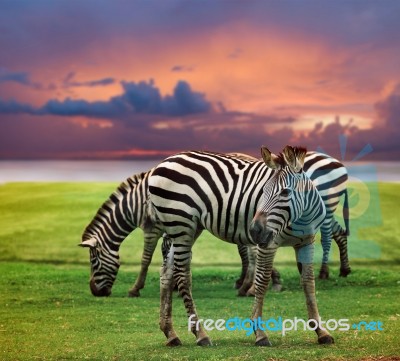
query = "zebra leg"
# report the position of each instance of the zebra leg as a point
(326, 240)
(242, 249)
(150, 243)
(167, 242)
(249, 279)
(182, 260)
(165, 247)
(264, 262)
(340, 237)
(305, 256)
(276, 284)
(276, 281)
(166, 288)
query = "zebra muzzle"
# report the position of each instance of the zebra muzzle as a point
(102, 292)
(259, 233)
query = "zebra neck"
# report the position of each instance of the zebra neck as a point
(312, 217)
(115, 219)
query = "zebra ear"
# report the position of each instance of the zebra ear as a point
(294, 157)
(269, 158)
(91, 243)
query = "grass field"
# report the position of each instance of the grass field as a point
(48, 313)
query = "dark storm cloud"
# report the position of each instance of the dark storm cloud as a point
(137, 98)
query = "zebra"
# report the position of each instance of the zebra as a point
(125, 210)
(329, 176)
(120, 214)
(195, 190)
(290, 214)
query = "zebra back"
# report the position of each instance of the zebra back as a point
(121, 213)
(221, 192)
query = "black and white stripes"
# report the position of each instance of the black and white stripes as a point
(120, 214)
(192, 191)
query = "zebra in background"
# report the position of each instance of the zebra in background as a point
(120, 214)
(330, 177)
(195, 190)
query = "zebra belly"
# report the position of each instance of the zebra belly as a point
(290, 240)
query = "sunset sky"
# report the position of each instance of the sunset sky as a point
(123, 79)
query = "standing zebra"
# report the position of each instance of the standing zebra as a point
(220, 193)
(329, 176)
(290, 214)
(125, 210)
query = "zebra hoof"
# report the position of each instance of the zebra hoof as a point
(204, 342)
(174, 342)
(242, 292)
(344, 272)
(323, 275)
(264, 342)
(134, 293)
(324, 272)
(277, 287)
(250, 293)
(238, 284)
(326, 340)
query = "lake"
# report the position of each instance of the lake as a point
(117, 171)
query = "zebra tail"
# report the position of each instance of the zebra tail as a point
(346, 215)
(151, 215)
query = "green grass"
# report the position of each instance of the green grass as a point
(48, 313)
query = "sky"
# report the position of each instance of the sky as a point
(97, 79)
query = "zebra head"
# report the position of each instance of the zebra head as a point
(104, 266)
(285, 195)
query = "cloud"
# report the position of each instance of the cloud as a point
(16, 77)
(383, 135)
(388, 110)
(137, 98)
(184, 101)
(14, 107)
(20, 77)
(182, 68)
(145, 123)
(70, 82)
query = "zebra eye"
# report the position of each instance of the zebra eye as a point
(286, 193)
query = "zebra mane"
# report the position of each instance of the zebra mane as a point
(298, 152)
(136, 178)
(125, 188)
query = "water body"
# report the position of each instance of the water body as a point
(71, 171)
(117, 171)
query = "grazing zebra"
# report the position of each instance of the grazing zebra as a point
(195, 190)
(121, 213)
